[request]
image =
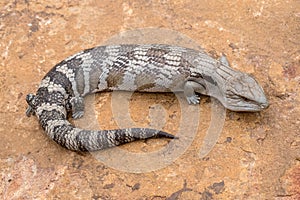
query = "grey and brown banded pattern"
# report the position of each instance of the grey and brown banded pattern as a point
(143, 68)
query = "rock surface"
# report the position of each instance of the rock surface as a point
(257, 155)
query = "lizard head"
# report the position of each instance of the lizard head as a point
(243, 93)
(31, 101)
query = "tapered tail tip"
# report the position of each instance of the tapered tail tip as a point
(162, 134)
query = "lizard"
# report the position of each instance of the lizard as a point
(134, 67)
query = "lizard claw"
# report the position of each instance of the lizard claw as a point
(77, 115)
(77, 107)
(195, 99)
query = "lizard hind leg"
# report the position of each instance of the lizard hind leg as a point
(77, 104)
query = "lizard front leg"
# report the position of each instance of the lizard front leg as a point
(189, 91)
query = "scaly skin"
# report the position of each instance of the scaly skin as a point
(143, 68)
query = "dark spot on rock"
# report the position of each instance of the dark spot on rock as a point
(20, 95)
(177, 194)
(77, 163)
(101, 197)
(34, 27)
(96, 197)
(21, 55)
(205, 159)
(282, 96)
(136, 186)
(218, 187)
(290, 70)
(206, 195)
(233, 46)
(213, 53)
(256, 60)
(228, 139)
(109, 186)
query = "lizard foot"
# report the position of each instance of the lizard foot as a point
(77, 107)
(195, 99)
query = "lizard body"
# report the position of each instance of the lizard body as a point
(143, 68)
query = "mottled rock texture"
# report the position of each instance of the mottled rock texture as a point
(257, 155)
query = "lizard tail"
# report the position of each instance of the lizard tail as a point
(76, 139)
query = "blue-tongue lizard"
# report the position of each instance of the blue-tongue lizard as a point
(142, 68)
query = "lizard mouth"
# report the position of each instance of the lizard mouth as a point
(248, 105)
(241, 103)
